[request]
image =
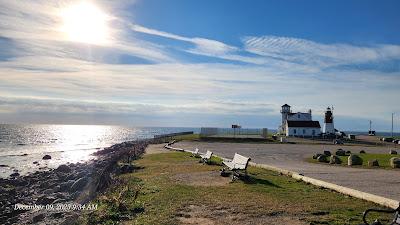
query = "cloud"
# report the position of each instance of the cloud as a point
(313, 53)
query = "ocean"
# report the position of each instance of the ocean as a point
(21, 145)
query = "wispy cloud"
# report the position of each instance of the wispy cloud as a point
(313, 53)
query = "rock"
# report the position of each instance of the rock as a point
(2, 165)
(322, 158)
(78, 184)
(127, 168)
(373, 163)
(14, 174)
(46, 157)
(327, 153)
(340, 152)
(63, 169)
(362, 152)
(354, 160)
(316, 156)
(335, 160)
(45, 200)
(395, 162)
(38, 218)
(35, 162)
(348, 152)
(393, 152)
(25, 154)
(48, 191)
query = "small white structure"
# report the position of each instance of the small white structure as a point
(298, 124)
(303, 128)
(328, 128)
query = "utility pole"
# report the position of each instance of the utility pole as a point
(392, 124)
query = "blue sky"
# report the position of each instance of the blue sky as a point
(201, 63)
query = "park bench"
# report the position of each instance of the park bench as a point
(206, 157)
(196, 153)
(395, 212)
(238, 165)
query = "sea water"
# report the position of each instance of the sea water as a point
(22, 145)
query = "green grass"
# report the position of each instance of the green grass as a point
(383, 160)
(187, 137)
(152, 196)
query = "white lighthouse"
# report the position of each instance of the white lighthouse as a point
(328, 128)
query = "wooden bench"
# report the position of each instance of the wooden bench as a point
(236, 166)
(206, 157)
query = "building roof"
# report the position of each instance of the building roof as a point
(314, 124)
(285, 105)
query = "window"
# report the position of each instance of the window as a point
(298, 116)
(294, 131)
(304, 131)
(313, 132)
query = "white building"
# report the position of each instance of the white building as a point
(298, 124)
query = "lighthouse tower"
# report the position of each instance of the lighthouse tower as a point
(328, 128)
(285, 112)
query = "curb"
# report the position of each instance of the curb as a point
(387, 202)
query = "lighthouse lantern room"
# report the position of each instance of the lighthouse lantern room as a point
(328, 122)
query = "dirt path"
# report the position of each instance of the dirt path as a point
(381, 182)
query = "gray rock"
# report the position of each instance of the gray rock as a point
(45, 200)
(335, 160)
(79, 184)
(395, 162)
(316, 156)
(63, 169)
(373, 163)
(38, 218)
(46, 157)
(362, 152)
(66, 185)
(327, 153)
(340, 152)
(354, 160)
(393, 152)
(16, 174)
(322, 158)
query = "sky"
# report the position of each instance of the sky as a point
(190, 63)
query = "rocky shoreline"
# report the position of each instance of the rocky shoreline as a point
(57, 196)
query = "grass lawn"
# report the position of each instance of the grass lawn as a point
(383, 160)
(173, 188)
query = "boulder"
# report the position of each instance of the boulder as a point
(340, 152)
(327, 153)
(348, 152)
(45, 200)
(335, 160)
(126, 168)
(362, 152)
(316, 156)
(38, 218)
(16, 174)
(46, 157)
(354, 160)
(63, 169)
(392, 152)
(373, 163)
(79, 184)
(322, 158)
(395, 162)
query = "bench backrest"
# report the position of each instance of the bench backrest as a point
(208, 154)
(240, 161)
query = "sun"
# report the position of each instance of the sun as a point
(85, 22)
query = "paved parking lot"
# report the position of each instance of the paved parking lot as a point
(292, 157)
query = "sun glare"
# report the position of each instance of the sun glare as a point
(85, 22)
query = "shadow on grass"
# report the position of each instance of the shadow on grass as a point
(254, 180)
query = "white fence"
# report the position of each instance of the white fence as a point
(234, 132)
